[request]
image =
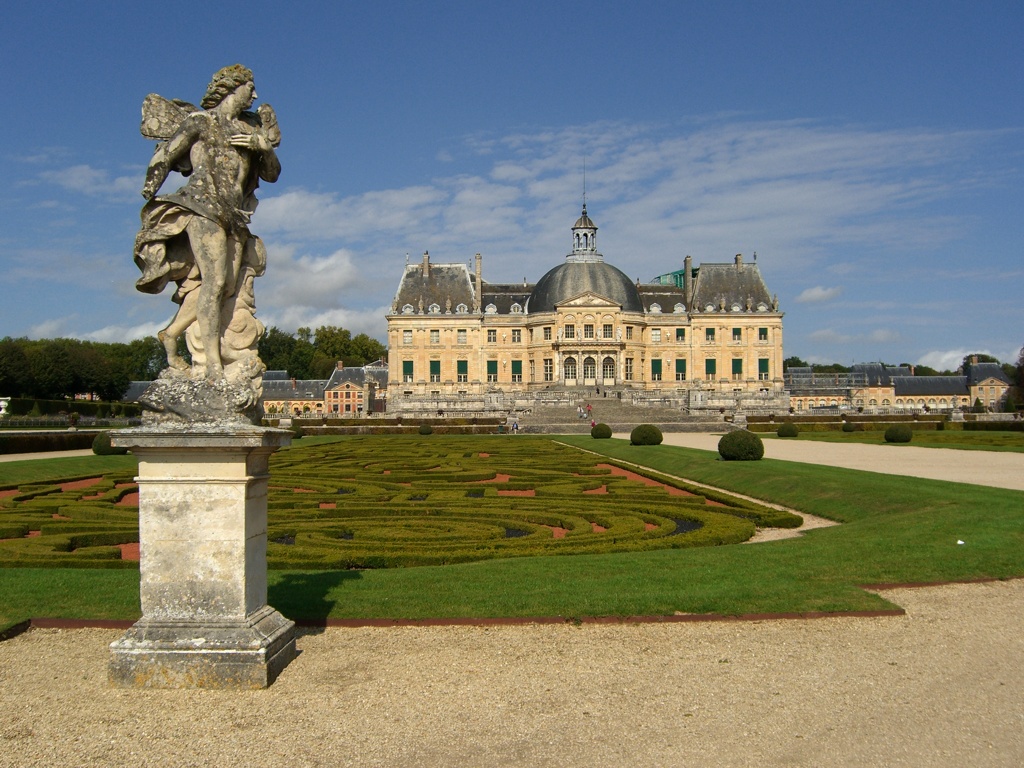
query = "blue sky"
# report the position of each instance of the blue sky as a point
(871, 153)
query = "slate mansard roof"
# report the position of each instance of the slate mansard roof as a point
(730, 287)
(440, 285)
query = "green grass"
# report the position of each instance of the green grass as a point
(895, 530)
(927, 438)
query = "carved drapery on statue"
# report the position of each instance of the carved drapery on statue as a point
(198, 238)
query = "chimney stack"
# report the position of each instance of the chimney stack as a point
(739, 262)
(688, 280)
(478, 301)
(426, 264)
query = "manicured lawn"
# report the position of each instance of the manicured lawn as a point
(926, 438)
(895, 530)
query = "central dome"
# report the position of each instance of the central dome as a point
(572, 279)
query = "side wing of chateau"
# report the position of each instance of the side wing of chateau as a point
(701, 338)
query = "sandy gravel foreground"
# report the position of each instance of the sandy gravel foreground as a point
(941, 686)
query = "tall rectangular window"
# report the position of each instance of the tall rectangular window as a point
(462, 370)
(517, 336)
(435, 370)
(737, 334)
(588, 330)
(517, 371)
(681, 370)
(762, 369)
(407, 370)
(607, 331)
(655, 335)
(549, 369)
(710, 369)
(680, 334)
(460, 336)
(492, 335)
(655, 370)
(570, 331)
(762, 334)
(547, 333)
(628, 372)
(435, 336)
(709, 335)
(737, 368)
(629, 332)
(407, 337)
(492, 371)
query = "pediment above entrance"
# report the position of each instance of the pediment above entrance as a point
(588, 299)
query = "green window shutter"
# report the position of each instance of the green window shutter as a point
(656, 367)
(517, 367)
(435, 367)
(680, 334)
(407, 368)
(737, 366)
(462, 366)
(681, 366)
(762, 365)
(711, 366)
(492, 367)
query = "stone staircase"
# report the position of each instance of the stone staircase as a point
(619, 415)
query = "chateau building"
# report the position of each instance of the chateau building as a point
(700, 337)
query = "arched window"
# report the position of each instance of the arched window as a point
(569, 367)
(516, 309)
(655, 309)
(461, 309)
(408, 309)
(490, 309)
(608, 368)
(434, 309)
(589, 368)
(679, 308)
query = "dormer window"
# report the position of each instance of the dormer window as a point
(408, 309)
(516, 309)
(655, 309)
(679, 308)
(491, 309)
(462, 309)
(434, 309)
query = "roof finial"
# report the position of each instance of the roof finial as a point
(584, 185)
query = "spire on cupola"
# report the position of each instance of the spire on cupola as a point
(584, 239)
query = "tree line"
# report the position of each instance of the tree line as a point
(55, 369)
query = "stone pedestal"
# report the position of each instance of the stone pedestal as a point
(203, 560)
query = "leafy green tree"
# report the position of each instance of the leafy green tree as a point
(15, 368)
(794, 362)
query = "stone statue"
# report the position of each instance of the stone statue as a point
(199, 238)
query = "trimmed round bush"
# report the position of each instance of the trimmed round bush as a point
(848, 426)
(645, 434)
(740, 445)
(601, 432)
(787, 429)
(426, 429)
(101, 446)
(898, 433)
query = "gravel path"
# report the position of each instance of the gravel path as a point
(941, 686)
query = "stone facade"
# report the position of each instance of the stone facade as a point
(703, 337)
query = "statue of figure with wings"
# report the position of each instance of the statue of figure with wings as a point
(198, 237)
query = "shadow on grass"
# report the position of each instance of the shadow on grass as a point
(307, 597)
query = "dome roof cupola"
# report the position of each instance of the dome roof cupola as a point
(584, 240)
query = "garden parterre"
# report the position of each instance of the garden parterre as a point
(372, 502)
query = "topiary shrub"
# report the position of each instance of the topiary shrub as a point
(601, 432)
(787, 429)
(645, 434)
(426, 429)
(848, 426)
(740, 445)
(101, 446)
(297, 433)
(898, 433)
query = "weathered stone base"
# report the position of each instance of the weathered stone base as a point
(208, 654)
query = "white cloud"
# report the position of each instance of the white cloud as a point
(950, 359)
(91, 181)
(818, 293)
(832, 336)
(125, 333)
